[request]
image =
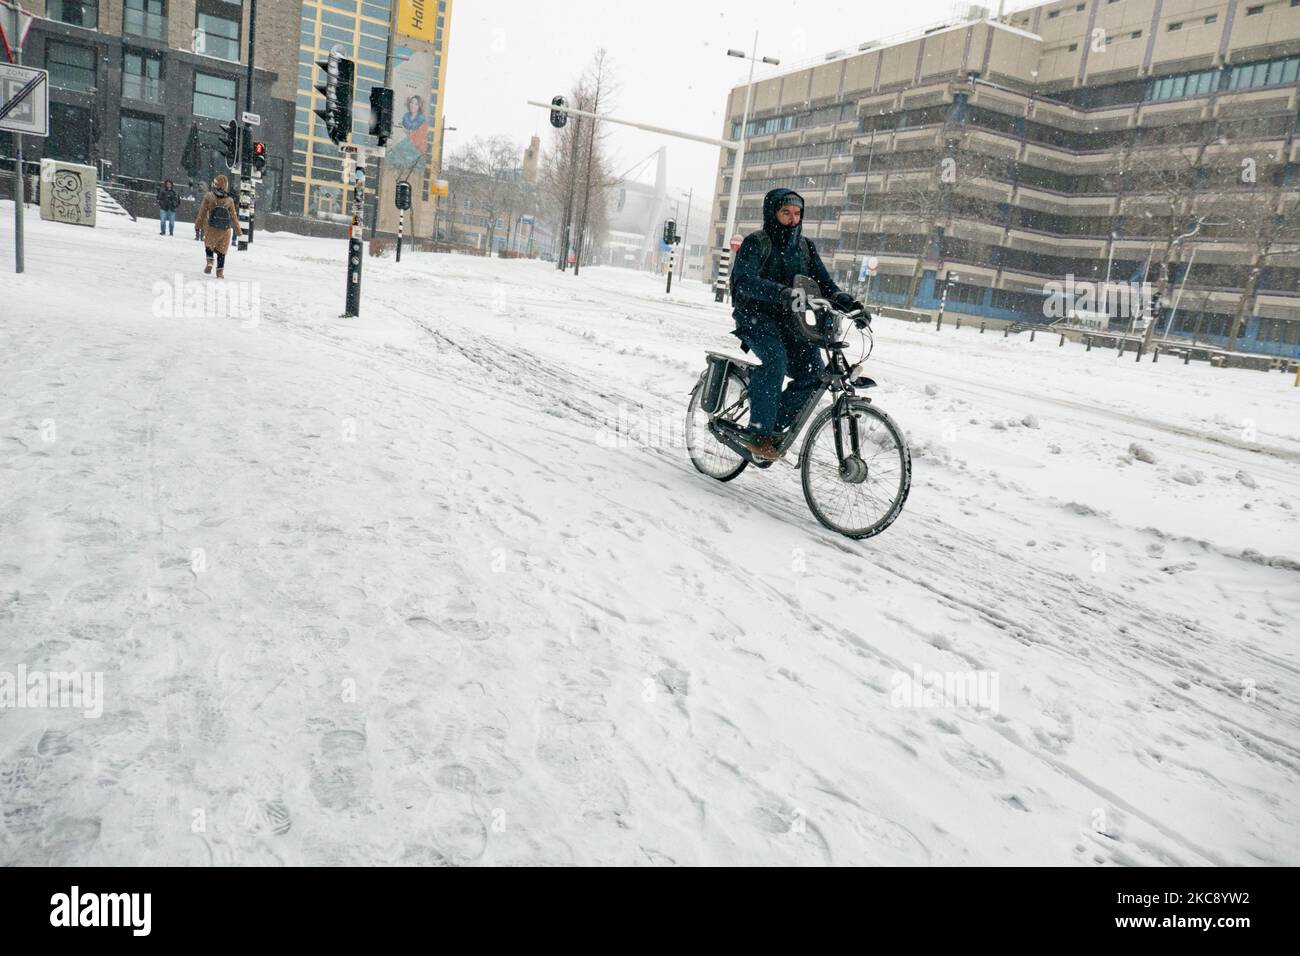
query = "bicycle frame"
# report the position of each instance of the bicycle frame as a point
(835, 378)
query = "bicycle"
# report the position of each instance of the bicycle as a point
(855, 464)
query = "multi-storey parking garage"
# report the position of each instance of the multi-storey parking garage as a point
(1129, 140)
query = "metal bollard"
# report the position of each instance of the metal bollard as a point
(1088, 342)
(1138, 357)
(1155, 355)
(1187, 357)
(1062, 342)
(981, 328)
(1031, 334)
(1006, 330)
(958, 325)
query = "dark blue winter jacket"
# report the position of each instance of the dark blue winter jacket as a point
(758, 286)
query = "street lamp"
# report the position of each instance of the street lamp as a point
(740, 142)
(686, 232)
(442, 139)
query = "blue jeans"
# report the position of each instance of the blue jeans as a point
(167, 221)
(783, 353)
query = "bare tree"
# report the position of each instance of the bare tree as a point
(575, 179)
(595, 190)
(490, 176)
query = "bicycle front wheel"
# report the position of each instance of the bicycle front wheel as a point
(857, 469)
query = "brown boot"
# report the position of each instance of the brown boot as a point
(764, 449)
(207, 270)
(221, 273)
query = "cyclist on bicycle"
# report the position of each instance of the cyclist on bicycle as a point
(762, 289)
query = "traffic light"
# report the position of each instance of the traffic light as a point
(259, 158)
(670, 232)
(381, 113)
(559, 117)
(403, 197)
(340, 73)
(230, 143)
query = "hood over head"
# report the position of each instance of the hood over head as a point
(782, 236)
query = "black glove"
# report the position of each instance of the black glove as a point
(846, 303)
(791, 299)
(863, 321)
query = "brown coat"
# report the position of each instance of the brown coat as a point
(218, 240)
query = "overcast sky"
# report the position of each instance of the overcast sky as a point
(669, 60)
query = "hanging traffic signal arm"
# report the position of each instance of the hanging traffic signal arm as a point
(570, 111)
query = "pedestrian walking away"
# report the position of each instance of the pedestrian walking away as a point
(217, 217)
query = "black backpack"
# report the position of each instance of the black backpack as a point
(219, 215)
(765, 242)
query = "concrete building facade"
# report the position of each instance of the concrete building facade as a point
(129, 78)
(1015, 153)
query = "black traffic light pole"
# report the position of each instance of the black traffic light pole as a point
(246, 195)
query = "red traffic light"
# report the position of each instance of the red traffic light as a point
(259, 149)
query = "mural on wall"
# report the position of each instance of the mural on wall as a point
(68, 192)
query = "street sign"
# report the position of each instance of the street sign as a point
(736, 240)
(251, 119)
(872, 265)
(24, 100)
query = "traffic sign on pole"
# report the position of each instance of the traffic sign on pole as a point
(24, 100)
(736, 240)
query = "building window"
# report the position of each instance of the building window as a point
(1251, 11)
(1212, 18)
(71, 133)
(1071, 48)
(1053, 14)
(145, 18)
(214, 96)
(141, 147)
(141, 76)
(79, 13)
(217, 36)
(71, 67)
(1174, 26)
(1135, 34)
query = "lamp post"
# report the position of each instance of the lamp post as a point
(739, 167)
(442, 139)
(862, 212)
(686, 235)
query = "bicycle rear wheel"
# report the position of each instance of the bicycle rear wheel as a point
(710, 456)
(855, 487)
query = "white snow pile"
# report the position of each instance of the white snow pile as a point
(440, 585)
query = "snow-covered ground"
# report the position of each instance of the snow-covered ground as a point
(440, 584)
